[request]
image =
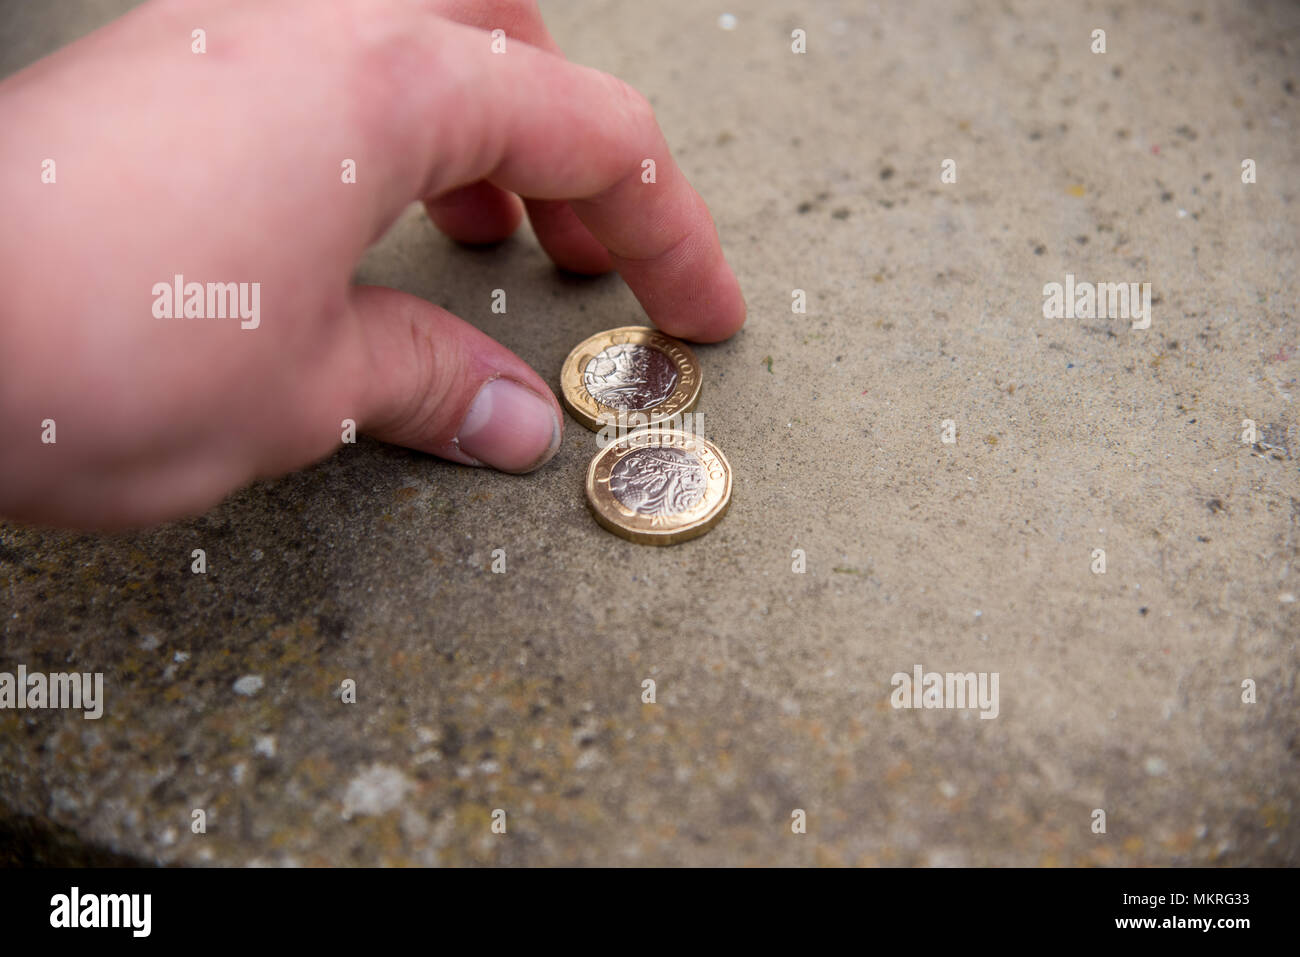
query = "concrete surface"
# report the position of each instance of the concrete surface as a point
(523, 691)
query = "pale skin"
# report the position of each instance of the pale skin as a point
(225, 166)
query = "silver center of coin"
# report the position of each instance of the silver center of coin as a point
(658, 481)
(630, 377)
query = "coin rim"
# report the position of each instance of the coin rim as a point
(584, 407)
(669, 536)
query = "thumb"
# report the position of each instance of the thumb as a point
(437, 384)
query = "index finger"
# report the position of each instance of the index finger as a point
(540, 126)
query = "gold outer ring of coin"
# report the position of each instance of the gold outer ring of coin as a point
(651, 529)
(596, 415)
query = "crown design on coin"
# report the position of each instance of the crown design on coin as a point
(632, 370)
(630, 377)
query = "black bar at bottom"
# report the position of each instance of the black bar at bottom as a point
(331, 907)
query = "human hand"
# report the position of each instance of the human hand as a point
(225, 167)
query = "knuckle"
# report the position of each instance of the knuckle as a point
(431, 406)
(511, 13)
(522, 8)
(637, 104)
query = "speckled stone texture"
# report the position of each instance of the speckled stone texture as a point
(523, 691)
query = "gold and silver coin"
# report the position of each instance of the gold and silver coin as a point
(659, 486)
(633, 374)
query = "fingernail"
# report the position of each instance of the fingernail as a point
(509, 427)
